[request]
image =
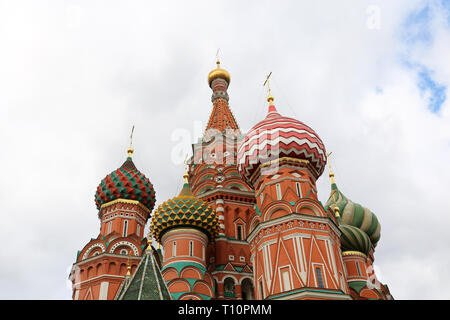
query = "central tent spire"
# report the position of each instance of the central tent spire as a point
(221, 117)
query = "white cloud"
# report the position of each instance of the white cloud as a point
(75, 78)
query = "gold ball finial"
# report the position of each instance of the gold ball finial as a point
(149, 242)
(336, 212)
(130, 152)
(218, 73)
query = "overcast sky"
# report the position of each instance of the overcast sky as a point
(370, 77)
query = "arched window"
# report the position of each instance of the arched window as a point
(125, 228)
(247, 289)
(228, 288)
(138, 230)
(239, 234)
(109, 227)
(124, 252)
(191, 248)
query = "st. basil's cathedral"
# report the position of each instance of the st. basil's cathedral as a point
(247, 224)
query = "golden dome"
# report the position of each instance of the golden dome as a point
(218, 73)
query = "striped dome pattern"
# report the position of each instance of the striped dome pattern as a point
(184, 210)
(276, 137)
(127, 182)
(354, 239)
(355, 214)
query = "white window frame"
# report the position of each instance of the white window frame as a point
(281, 271)
(174, 249)
(278, 190)
(191, 248)
(299, 189)
(125, 228)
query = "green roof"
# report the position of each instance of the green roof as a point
(147, 282)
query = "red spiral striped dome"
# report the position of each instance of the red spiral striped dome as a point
(276, 137)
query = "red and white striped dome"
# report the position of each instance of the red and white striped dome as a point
(276, 137)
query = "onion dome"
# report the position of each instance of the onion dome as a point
(184, 210)
(354, 214)
(354, 239)
(127, 182)
(277, 137)
(218, 73)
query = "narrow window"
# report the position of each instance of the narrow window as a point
(109, 227)
(299, 191)
(261, 289)
(262, 197)
(278, 187)
(286, 279)
(358, 269)
(191, 248)
(174, 249)
(138, 230)
(319, 278)
(239, 232)
(125, 228)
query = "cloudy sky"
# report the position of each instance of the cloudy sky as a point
(371, 78)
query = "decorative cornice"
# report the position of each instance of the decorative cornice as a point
(353, 253)
(135, 202)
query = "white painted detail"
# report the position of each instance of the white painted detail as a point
(103, 295)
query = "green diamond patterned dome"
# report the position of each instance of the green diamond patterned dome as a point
(355, 215)
(184, 210)
(127, 182)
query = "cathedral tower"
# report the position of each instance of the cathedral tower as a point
(214, 178)
(294, 241)
(124, 199)
(184, 226)
(360, 233)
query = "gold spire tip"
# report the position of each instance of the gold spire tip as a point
(331, 173)
(270, 98)
(186, 175)
(130, 149)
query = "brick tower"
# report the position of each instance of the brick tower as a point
(184, 226)
(125, 199)
(295, 245)
(214, 178)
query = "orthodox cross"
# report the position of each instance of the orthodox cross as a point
(131, 137)
(267, 81)
(130, 149)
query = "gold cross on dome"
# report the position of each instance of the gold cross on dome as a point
(267, 81)
(131, 137)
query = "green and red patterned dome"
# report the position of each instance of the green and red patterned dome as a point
(127, 182)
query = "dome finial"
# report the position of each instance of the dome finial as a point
(149, 241)
(129, 265)
(331, 173)
(270, 98)
(186, 175)
(130, 150)
(218, 73)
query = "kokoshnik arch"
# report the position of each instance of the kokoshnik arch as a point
(247, 223)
